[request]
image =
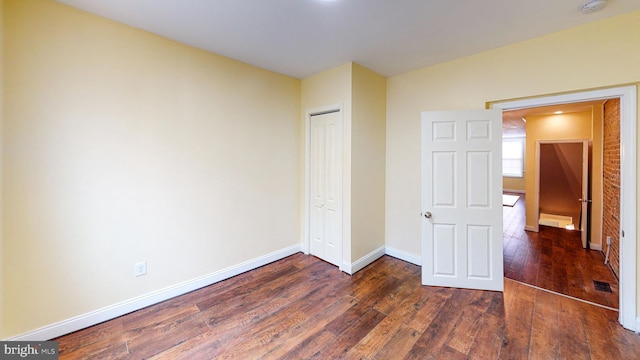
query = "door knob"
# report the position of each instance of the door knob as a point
(427, 215)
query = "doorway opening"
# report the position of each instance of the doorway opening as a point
(558, 196)
(627, 135)
(562, 190)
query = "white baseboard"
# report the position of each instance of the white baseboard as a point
(378, 253)
(514, 191)
(530, 228)
(596, 247)
(137, 303)
(403, 255)
(364, 261)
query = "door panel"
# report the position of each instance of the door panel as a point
(479, 179)
(444, 249)
(316, 223)
(326, 187)
(443, 191)
(479, 243)
(462, 199)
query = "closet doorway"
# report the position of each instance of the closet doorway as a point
(562, 185)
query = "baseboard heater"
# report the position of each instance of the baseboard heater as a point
(559, 221)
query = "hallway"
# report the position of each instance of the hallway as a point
(554, 259)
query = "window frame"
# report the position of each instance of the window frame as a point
(521, 140)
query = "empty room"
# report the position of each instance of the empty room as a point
(297, 179)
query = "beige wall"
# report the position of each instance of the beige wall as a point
(329, 88)
(368, 161)
(514, 183)
(362, 95)
(121, 146)
(556, 63)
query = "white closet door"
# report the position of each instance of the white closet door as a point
(326, 187)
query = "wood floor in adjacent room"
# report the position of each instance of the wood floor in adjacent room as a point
(303, 308)
(554, 259)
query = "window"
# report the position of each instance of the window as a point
(513, 157)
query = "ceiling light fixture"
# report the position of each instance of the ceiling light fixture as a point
(592, 6)
(558, 112)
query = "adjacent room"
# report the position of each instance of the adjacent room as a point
(562, 148)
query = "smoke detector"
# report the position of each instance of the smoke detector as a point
(592, 6)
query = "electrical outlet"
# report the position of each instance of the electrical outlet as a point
(140, 268)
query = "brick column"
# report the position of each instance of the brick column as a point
(611, 182)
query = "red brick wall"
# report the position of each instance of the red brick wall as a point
(611, 182)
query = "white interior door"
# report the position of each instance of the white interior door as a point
(462, 199)
(325, 222)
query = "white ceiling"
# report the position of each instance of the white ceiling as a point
(304, 37)
(513, 126)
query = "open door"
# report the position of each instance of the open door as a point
(462, 199)
(585, 199)
(563, 171)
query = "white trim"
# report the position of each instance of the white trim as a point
(628, 182)
(363, 261)
(306, 230)
(513, 191)
(403, 255)
(628, 222)
(595, 247)
(530, 228)
(111, 312)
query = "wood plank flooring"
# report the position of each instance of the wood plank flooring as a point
(554, 259)
(303, 308)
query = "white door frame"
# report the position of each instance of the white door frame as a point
(628, 183)
(306, 229)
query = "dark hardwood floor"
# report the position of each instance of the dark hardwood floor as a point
(303, 308)
(554, 259)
